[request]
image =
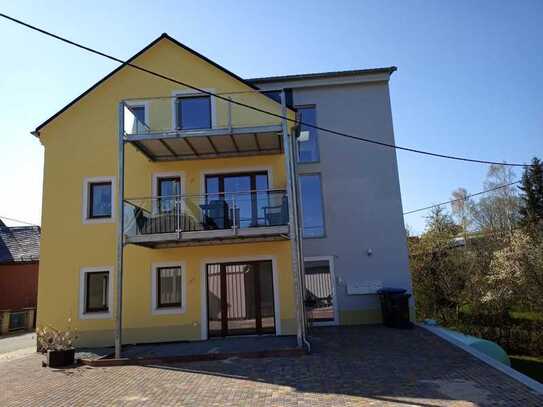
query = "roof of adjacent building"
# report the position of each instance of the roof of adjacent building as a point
(19, 244)
(318, 75)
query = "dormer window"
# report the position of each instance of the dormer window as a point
(193, 112)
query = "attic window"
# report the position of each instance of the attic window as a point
(194, 112)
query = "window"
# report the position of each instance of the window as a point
(273, 94)
(169, 287)
(276, 95)
(308, 148)
(194, 112)
(312, 210)
(167, 188)
(96, 291)
(139, 112)
(250, 206)
(100, 204)
(97, 203)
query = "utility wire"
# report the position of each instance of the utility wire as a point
(18, 221)
(257, 109)
(462, 199)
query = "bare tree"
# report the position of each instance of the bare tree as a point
(460, 208)
(498, 212)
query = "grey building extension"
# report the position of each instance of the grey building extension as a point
(354, 231)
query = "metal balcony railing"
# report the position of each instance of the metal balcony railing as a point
(192, 125)
(179, 214)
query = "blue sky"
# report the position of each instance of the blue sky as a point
(469, 80)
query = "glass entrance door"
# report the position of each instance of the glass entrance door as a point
(240, 298)
(319, 291)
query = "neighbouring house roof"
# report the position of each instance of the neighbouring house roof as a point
(131, 59)
(318, 75)
(19, 244)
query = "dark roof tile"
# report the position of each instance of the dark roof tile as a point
(19, 244)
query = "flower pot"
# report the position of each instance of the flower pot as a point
(60, 358)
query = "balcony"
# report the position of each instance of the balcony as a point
(198, 126)
(185, 220)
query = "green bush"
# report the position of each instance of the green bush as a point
(516, 336)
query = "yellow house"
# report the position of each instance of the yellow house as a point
(205, 242)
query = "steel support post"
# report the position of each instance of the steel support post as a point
(120, 236)
(295, 239)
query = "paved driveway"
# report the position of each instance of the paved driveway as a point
(17, 345)
(350, 366)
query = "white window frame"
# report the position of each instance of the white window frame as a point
(155, 310)
(188, 93)
(154, 185)
(138, 103)
(83, 293)
(86, 204)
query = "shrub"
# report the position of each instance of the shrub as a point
(50, 338)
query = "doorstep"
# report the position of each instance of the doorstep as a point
(197, 351)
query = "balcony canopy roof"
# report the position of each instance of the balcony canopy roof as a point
(209, 143)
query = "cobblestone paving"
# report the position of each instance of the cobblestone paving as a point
(350, 367)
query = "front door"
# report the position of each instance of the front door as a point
(240, 298)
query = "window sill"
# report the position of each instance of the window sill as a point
(168, 311)
(95, 315)
(91, 221)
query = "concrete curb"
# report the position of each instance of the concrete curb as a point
(522, 378)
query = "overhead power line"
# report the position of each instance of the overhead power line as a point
(257, 109)
(462, 199)
(18, 221)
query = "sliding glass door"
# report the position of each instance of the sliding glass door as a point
(239, 191)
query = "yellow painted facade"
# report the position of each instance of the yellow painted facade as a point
(81, 143)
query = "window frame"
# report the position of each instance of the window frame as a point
(145, 105)
(155, 185)
(251, 174)
(89, 310)
(83, 283)
(140, 103)
(168, 310)
(176, 94)
(90, 207)
(87, 196)
(179, 116)
(317, 145)
(323, 235)
(159, 304)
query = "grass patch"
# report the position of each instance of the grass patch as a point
(529, 315)
(529, 365)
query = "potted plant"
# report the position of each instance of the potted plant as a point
(58, 345)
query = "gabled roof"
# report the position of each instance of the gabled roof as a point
(131, 59)
(19, 244)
